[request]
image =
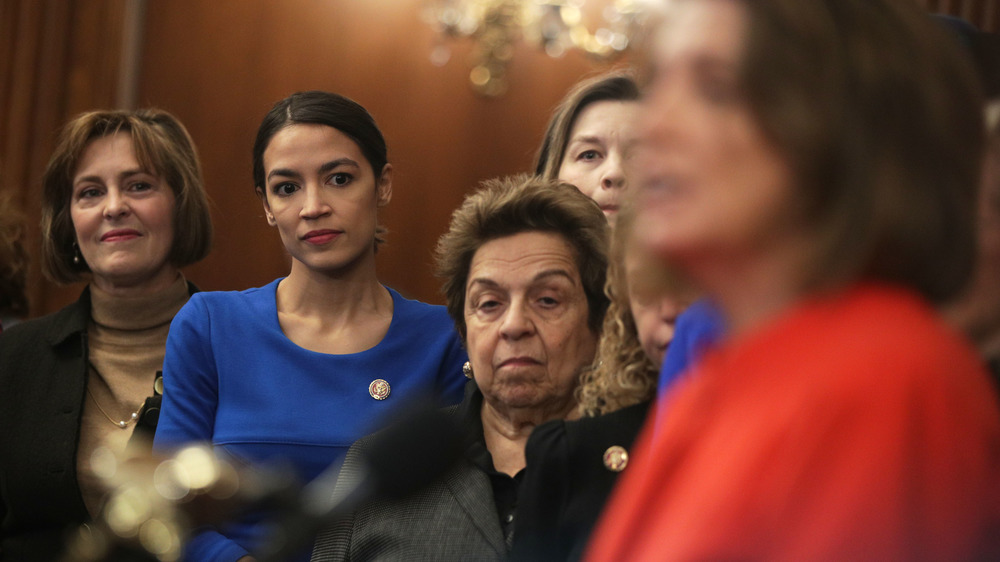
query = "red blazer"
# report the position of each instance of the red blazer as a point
(855, 427)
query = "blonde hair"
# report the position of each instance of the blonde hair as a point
(622, 374)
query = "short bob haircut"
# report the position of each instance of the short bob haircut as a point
(316, 107)
(163, 147)
(618, 85)
(880, 118)
(507, 206)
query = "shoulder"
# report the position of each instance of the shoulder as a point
(51, 329)
(587, 439)
(231, 302)
(410, 310)
(623, 424)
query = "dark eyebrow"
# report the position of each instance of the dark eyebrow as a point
(98, 179)
(331, 165)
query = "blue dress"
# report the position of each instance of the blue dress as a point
(698, 328)
(232, 378)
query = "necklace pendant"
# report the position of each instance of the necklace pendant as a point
(122, 424)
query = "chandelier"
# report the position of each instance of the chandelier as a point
(556, 26)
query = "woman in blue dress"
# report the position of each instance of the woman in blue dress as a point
(297, 370)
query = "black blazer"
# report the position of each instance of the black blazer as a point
(43, 376)
(566, 483)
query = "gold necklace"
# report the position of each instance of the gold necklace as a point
(122, 424)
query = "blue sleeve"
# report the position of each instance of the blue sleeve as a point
(211, 546)
(698, 329)
(190, 398)
(451, 380)
(190, 380)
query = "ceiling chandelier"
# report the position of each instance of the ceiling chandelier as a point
(557, 26)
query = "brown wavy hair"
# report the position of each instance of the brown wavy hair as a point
(511, 205)
(162, 146)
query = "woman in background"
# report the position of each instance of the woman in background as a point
(812, 166)
(13, 266)
(295, 371)
(977, 310)
(573, 465)
(123, 208)
(589, 138)
(524, 263)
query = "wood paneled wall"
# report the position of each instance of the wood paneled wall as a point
(57, 58)
(220, 65)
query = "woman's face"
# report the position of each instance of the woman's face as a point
(322, 195)
(526, 318)
(654, 310)
(598, 145)
(713, 191)
(123, 216)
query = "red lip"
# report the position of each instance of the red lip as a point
(321, 236)
(120, 235)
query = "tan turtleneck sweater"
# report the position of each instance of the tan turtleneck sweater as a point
(126, 341)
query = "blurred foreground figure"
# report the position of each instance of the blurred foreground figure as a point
(813, 167)
(977, 311)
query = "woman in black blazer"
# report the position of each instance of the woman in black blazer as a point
(124, 209)
(573, 465)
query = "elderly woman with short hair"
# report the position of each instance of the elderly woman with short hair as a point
(524, 265)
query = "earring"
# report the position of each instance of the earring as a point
(76, 254)
(467, 370)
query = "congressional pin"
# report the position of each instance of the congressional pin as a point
(616, 458)
(379, 389)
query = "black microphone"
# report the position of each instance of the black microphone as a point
(401, 459)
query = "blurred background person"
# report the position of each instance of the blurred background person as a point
(573, 465)
(589, 137)
(13, 266)
(524, 266)
(977, 310)
(124, 209)
(294, 372)
(813, 167)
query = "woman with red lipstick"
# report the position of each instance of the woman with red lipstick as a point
(123, 209)
(297, 370)
(589, 138)
(813, 167)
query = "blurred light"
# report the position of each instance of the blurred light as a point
(554, 25)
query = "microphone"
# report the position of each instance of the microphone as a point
(402, 459)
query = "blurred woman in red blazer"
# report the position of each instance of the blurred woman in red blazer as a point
(813, 166)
